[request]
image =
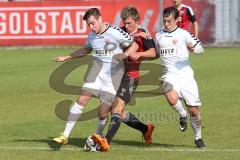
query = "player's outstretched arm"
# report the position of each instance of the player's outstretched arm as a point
(62, 58)
(81, 52)
(78, 53)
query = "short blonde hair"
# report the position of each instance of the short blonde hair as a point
(130, 11)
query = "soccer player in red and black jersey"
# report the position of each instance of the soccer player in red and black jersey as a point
(129, 82)
(186, 16)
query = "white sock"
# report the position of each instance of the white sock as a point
(73, 116)
(101, 125)
(179, 108)
(196, 125)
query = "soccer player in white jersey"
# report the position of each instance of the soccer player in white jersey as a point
(106, 43)
(173, 45)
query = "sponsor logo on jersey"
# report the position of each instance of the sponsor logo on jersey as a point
(167, 52)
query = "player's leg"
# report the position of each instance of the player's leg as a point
(132, 121)
(127, 88)
(102, 118)
(76, 111)
(195, 121)
(116, 119)
(107, 97)
(191, 95)
(74, 114)
(88, 89)
(172, 95)
(183, 115)
(117, 107)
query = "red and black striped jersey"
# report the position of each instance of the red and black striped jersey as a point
(131, 66)
(186, 15)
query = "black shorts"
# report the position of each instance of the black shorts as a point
(126, 89)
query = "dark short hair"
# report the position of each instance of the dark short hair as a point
(170, 11)
(130, 11)
(92, 12)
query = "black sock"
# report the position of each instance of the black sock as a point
(113, 126)
(133, 122)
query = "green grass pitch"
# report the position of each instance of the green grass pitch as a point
(28, 119)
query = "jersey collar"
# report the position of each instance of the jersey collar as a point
(170, 31)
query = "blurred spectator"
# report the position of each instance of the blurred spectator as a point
(186, 17)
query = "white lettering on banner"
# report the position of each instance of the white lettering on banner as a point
(40, 18)
(79, 17)
(60, 23)
(66, 23)
(43, 22)
(3, 27)
(26, 29)
(54, 21)
(15, 23)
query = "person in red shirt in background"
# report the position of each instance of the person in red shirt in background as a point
(186, 16)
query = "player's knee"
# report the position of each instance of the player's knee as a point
(193, 111)
(102, 115)
(82, 100)
(172, 98)
(117, 110)
(118, 106)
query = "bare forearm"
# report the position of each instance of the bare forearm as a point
(195, 26)
(80, 52)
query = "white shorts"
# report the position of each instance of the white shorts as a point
(186, 87)
(104, 89)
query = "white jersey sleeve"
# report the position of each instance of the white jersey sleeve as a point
(195, 41)
(122, 37)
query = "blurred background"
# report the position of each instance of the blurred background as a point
(59, 22)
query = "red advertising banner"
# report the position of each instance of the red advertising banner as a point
(61, 22)
(44, 23)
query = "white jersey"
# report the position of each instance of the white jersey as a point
(173, 51)
(105, 46)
